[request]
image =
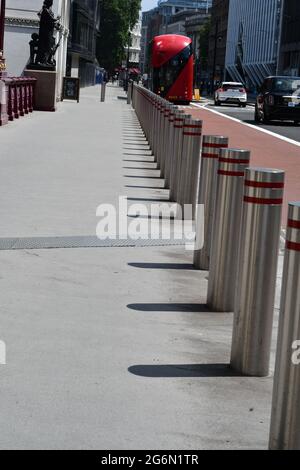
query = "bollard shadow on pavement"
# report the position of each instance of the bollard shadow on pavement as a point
(169, 307)
(145, 187)
(143, 177)
(183, 370)
(133, 145)
(160, 218)
(143, 155)
(131, 160)
(141, 168)
(184, 267)
(147, 199)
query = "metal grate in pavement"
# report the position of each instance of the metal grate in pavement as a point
(45, 243)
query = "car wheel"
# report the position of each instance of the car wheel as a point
(265, 118)
(256, 116)
(244, 105)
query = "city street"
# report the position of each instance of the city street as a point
(269, 149)
(150, 232)
(107, 346)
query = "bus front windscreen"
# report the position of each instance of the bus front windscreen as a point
(165, 76)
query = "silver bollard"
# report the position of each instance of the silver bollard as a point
(285, 421)
(152, 122)
(226, 229)
(178, 138)
(170, 146)
(211, 146)
(182, 150)
(165, 137)
(258, 257)
(129, 92)
(134, 88)
(155, 130)
(161, 119)
(103, 92)
(158, 130)
(192, 130)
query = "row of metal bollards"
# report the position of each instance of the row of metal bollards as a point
(242, 223)
(129, 91)
(175, 139)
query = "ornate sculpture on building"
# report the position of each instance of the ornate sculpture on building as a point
(34, 47)
(2, 62)
(43, 46)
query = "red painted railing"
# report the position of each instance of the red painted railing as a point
(20, 93)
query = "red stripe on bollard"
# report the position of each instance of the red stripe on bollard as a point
(263, 201)
(213, 146)
(264, 184)
(292, 246)
(294, 223)
(198, 134)
(231, 173)
(232, 160)
(190, 126)
(210, 155)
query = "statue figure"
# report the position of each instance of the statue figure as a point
(34, 47)
(45, 42)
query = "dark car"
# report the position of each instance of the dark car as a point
(279, 99)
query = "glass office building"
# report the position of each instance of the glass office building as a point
(167, 8)
(253, 40)
(289, 60)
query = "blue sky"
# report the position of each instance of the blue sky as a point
(148, 4)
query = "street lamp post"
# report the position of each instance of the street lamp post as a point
(3, 85)
(127, 61)
(217, 39)
(2, 26)
(129, 9)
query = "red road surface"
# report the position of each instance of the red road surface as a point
(266, 151)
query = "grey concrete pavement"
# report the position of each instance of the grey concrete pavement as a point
(107, 348)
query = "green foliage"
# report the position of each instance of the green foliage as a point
(118, 17)
(133, 8)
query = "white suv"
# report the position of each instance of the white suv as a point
(232, 93)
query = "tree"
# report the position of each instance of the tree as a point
(118, 17)
(132, 11)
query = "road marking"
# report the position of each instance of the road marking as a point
(235, 110)
(265, 131)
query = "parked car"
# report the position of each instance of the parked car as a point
(231, 93)
(279, 99)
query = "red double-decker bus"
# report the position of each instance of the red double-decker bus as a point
(173, 67)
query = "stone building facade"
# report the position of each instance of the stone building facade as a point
(21, 21)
